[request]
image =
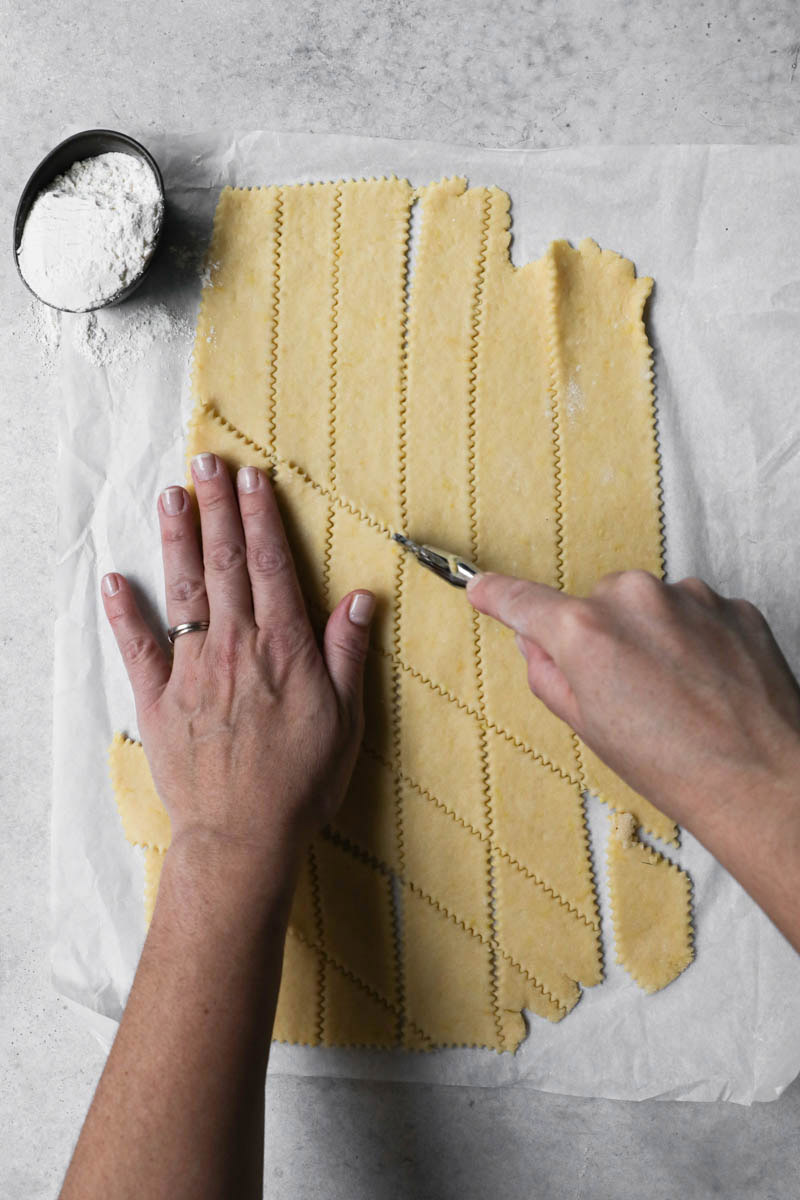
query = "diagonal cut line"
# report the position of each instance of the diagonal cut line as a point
(348, 973)
(489, 839)
(274, 459)
(376, 864)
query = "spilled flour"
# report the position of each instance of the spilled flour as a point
(43, 325)
(108, 337)
(105, 338)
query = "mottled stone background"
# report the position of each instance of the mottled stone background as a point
(494, 74)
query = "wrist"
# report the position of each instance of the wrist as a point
(750, 783)
(209, 870)
(754, 832)
(751, 809)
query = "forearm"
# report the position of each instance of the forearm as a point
(753, 828)
(179, 1108)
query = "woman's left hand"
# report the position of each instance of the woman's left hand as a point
(251, 731)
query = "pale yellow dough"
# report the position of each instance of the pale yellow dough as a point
(506, 414)
(144, 817)
(153, 862)
(650, 908)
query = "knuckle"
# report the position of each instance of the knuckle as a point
(267, 558)
(638, 584)
(137, 649)
(118, 617)
(352, 649)
(517, 598)
(635, 591)
(223, 557)
(581, 619)
(287, 642)
(517, 591)
(225, 652)
(173, 534)
(185, 589)
(608, 582)
(213, 497)
(700, 590)
(748, 611)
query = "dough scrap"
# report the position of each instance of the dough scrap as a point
(144, 818)
(650, 901)
(507, 414)
(153, 863)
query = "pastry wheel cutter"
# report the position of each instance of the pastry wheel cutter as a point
(447, 566)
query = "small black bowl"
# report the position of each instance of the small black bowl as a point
(88, 144)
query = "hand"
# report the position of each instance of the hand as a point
(251, 731)
(681, 692)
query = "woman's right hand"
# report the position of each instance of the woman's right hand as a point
(683, 693)
(688, 698)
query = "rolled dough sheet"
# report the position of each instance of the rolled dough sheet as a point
(506, 413)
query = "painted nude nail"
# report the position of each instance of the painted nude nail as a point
(362, 606)
(204, 465)
(172, 499)
(110, 584)
(248, 479)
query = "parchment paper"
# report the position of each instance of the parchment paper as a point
(717, 229)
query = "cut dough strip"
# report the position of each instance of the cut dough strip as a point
(144, 818)
(650, 906)
(608, 485)
(153, 864)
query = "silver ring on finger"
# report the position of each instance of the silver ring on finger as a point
(175, 631)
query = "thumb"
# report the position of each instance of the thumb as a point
(345, 648)
(548, 682)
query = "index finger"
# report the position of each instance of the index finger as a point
(277, 599)
(530, 609)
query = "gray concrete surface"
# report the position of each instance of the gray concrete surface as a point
(501, 74)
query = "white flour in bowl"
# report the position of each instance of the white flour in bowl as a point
(91, 231)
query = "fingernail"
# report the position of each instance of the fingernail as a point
(471, 582)
(362, 606)
(110, 584)
(520, 644)
(248, 479)
(204, 465)
(172, 499)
